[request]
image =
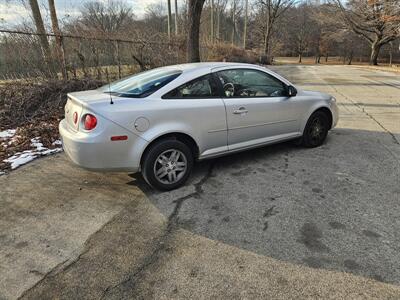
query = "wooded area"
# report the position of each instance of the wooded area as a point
(106, 34)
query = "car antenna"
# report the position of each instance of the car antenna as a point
(109, 87)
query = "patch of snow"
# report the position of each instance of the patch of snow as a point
(20, 159)
(57, 143)
(35, 142)
(7, 133)
(26, 156)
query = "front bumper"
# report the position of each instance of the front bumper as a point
(98, 153)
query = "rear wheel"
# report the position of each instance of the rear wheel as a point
(167, 164)
(316, 130)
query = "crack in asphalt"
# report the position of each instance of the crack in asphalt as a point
(162, 241)
(366, 113)
(68, 263)
(196, 194)
(53, 270)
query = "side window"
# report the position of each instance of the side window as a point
(202, 87)
(244, 83)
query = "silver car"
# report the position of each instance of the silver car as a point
(160, 121)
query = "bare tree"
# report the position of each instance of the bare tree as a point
(220, 9)
(44, 43)
(193, 35)
(377, 21)
(155, 17)
(273, 10)
(110, 18)
(56, 31)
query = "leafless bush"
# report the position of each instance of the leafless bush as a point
(24, 102)
(224, 52)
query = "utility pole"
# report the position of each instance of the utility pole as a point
(233, 21)
(246, 11)
(212, 21)
(218, 21)
(176, 17)
(169, 20)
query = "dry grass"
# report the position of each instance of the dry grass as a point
(334, 60)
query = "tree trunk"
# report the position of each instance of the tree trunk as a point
(267, 38)
(326, 57)
(300, 58)
(56, 31)
(176, 17)
(375, 48)
(169, 20)
(246, 12)
(193, 35)
(350, 58)
(44, 43)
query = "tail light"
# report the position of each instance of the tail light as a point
(89, 121)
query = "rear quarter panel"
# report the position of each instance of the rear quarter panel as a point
(202, 119)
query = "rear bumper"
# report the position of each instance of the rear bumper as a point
(98, 153)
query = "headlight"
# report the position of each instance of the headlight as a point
(333, 99)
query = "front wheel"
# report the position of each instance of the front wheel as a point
(316, 130)
(167, 164)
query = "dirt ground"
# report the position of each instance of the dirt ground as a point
(278, 222)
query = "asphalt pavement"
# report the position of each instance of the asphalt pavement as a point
(280, 221)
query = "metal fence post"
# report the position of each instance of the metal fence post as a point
(63, 59)
(118, 60)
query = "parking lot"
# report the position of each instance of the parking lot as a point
(280, 221)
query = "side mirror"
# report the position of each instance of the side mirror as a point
(291, 91)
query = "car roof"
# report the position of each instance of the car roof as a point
(207, 65)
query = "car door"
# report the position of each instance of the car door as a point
(197, 105)
(257, 107)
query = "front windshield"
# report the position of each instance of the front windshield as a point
(142, 84)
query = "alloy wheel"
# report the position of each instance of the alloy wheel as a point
(170, 166)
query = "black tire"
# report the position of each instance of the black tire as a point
(316, 130)
(150, 164)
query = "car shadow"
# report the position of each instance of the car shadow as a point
(331, 207)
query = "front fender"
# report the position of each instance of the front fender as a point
(311, 110)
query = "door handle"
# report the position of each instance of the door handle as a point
(241, 110)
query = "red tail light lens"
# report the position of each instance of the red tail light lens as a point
(75, 117)
(90, 122)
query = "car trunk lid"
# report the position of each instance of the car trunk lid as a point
(72, 107)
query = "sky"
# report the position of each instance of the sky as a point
(13, 12)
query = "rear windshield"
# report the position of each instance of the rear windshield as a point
(142, 84)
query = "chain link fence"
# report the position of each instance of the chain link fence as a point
(22, 57)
